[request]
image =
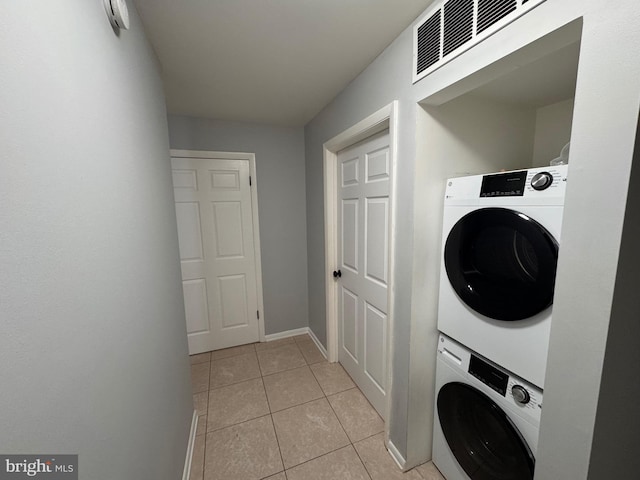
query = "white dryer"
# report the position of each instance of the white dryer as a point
(501, 235)
(486, 421)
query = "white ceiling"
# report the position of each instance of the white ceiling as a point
(268, 61)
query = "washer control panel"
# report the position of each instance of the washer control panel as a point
(520, 394)
(515, 393)
(524, 395)
(488, 374)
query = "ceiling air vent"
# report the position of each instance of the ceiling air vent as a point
(490, 11)
(428, 42)
(458, 24)
(451, 27)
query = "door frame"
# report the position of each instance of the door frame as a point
(251, 157)
(383, 119)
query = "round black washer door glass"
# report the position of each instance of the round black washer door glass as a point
(501, 263)
(484, 441)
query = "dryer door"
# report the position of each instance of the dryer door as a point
(483, 439)
(501, 263)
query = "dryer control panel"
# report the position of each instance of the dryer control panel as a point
(510, 184)
(536, 186)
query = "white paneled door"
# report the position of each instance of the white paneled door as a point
(363, 259)
(217, 251)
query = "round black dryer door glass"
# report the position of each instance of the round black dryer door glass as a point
(482, 438)
(501, 263)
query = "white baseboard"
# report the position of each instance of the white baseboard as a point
(289, 333)
(323, 350)
(186, 473)
(296, 332)
(396, 455)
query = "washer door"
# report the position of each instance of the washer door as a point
(484, 441)
(501, 263)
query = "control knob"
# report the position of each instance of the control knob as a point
(520, 394)
(541, 181)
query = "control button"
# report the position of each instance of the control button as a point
(541, 180)
(520, 394)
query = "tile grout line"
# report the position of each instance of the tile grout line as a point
(334, 393)
(363, 463)
(348, 437)
(299, 405)
(267, 397)
(316, 377)
(287, 370)
(275, 432)
(351, 442)
(239, 423)
(343, 427)
(280, 371)
(324, 455)
(219, 387)
(243, 421)
(308, 365)
(211, 359)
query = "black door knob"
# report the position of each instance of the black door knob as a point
(337, 274)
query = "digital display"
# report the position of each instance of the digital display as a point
(489, 375)
(510, 184)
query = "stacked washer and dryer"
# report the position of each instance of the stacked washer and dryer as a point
(501, 235)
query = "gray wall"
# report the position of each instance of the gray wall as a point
(388, 78)
(281, 202)
(617, 428)
(606, 108)
(93, 350)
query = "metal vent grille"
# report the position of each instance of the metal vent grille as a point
(458, 24)
(429, 42)
(490, 11)
(453, 26)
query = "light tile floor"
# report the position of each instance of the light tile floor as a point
(280, 411)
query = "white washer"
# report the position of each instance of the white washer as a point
(501, 234)
(486, 421)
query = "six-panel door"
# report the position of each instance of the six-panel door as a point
(363, 252)
(215, 233)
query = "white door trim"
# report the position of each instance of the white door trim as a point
(385, 118)
(254, 207)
